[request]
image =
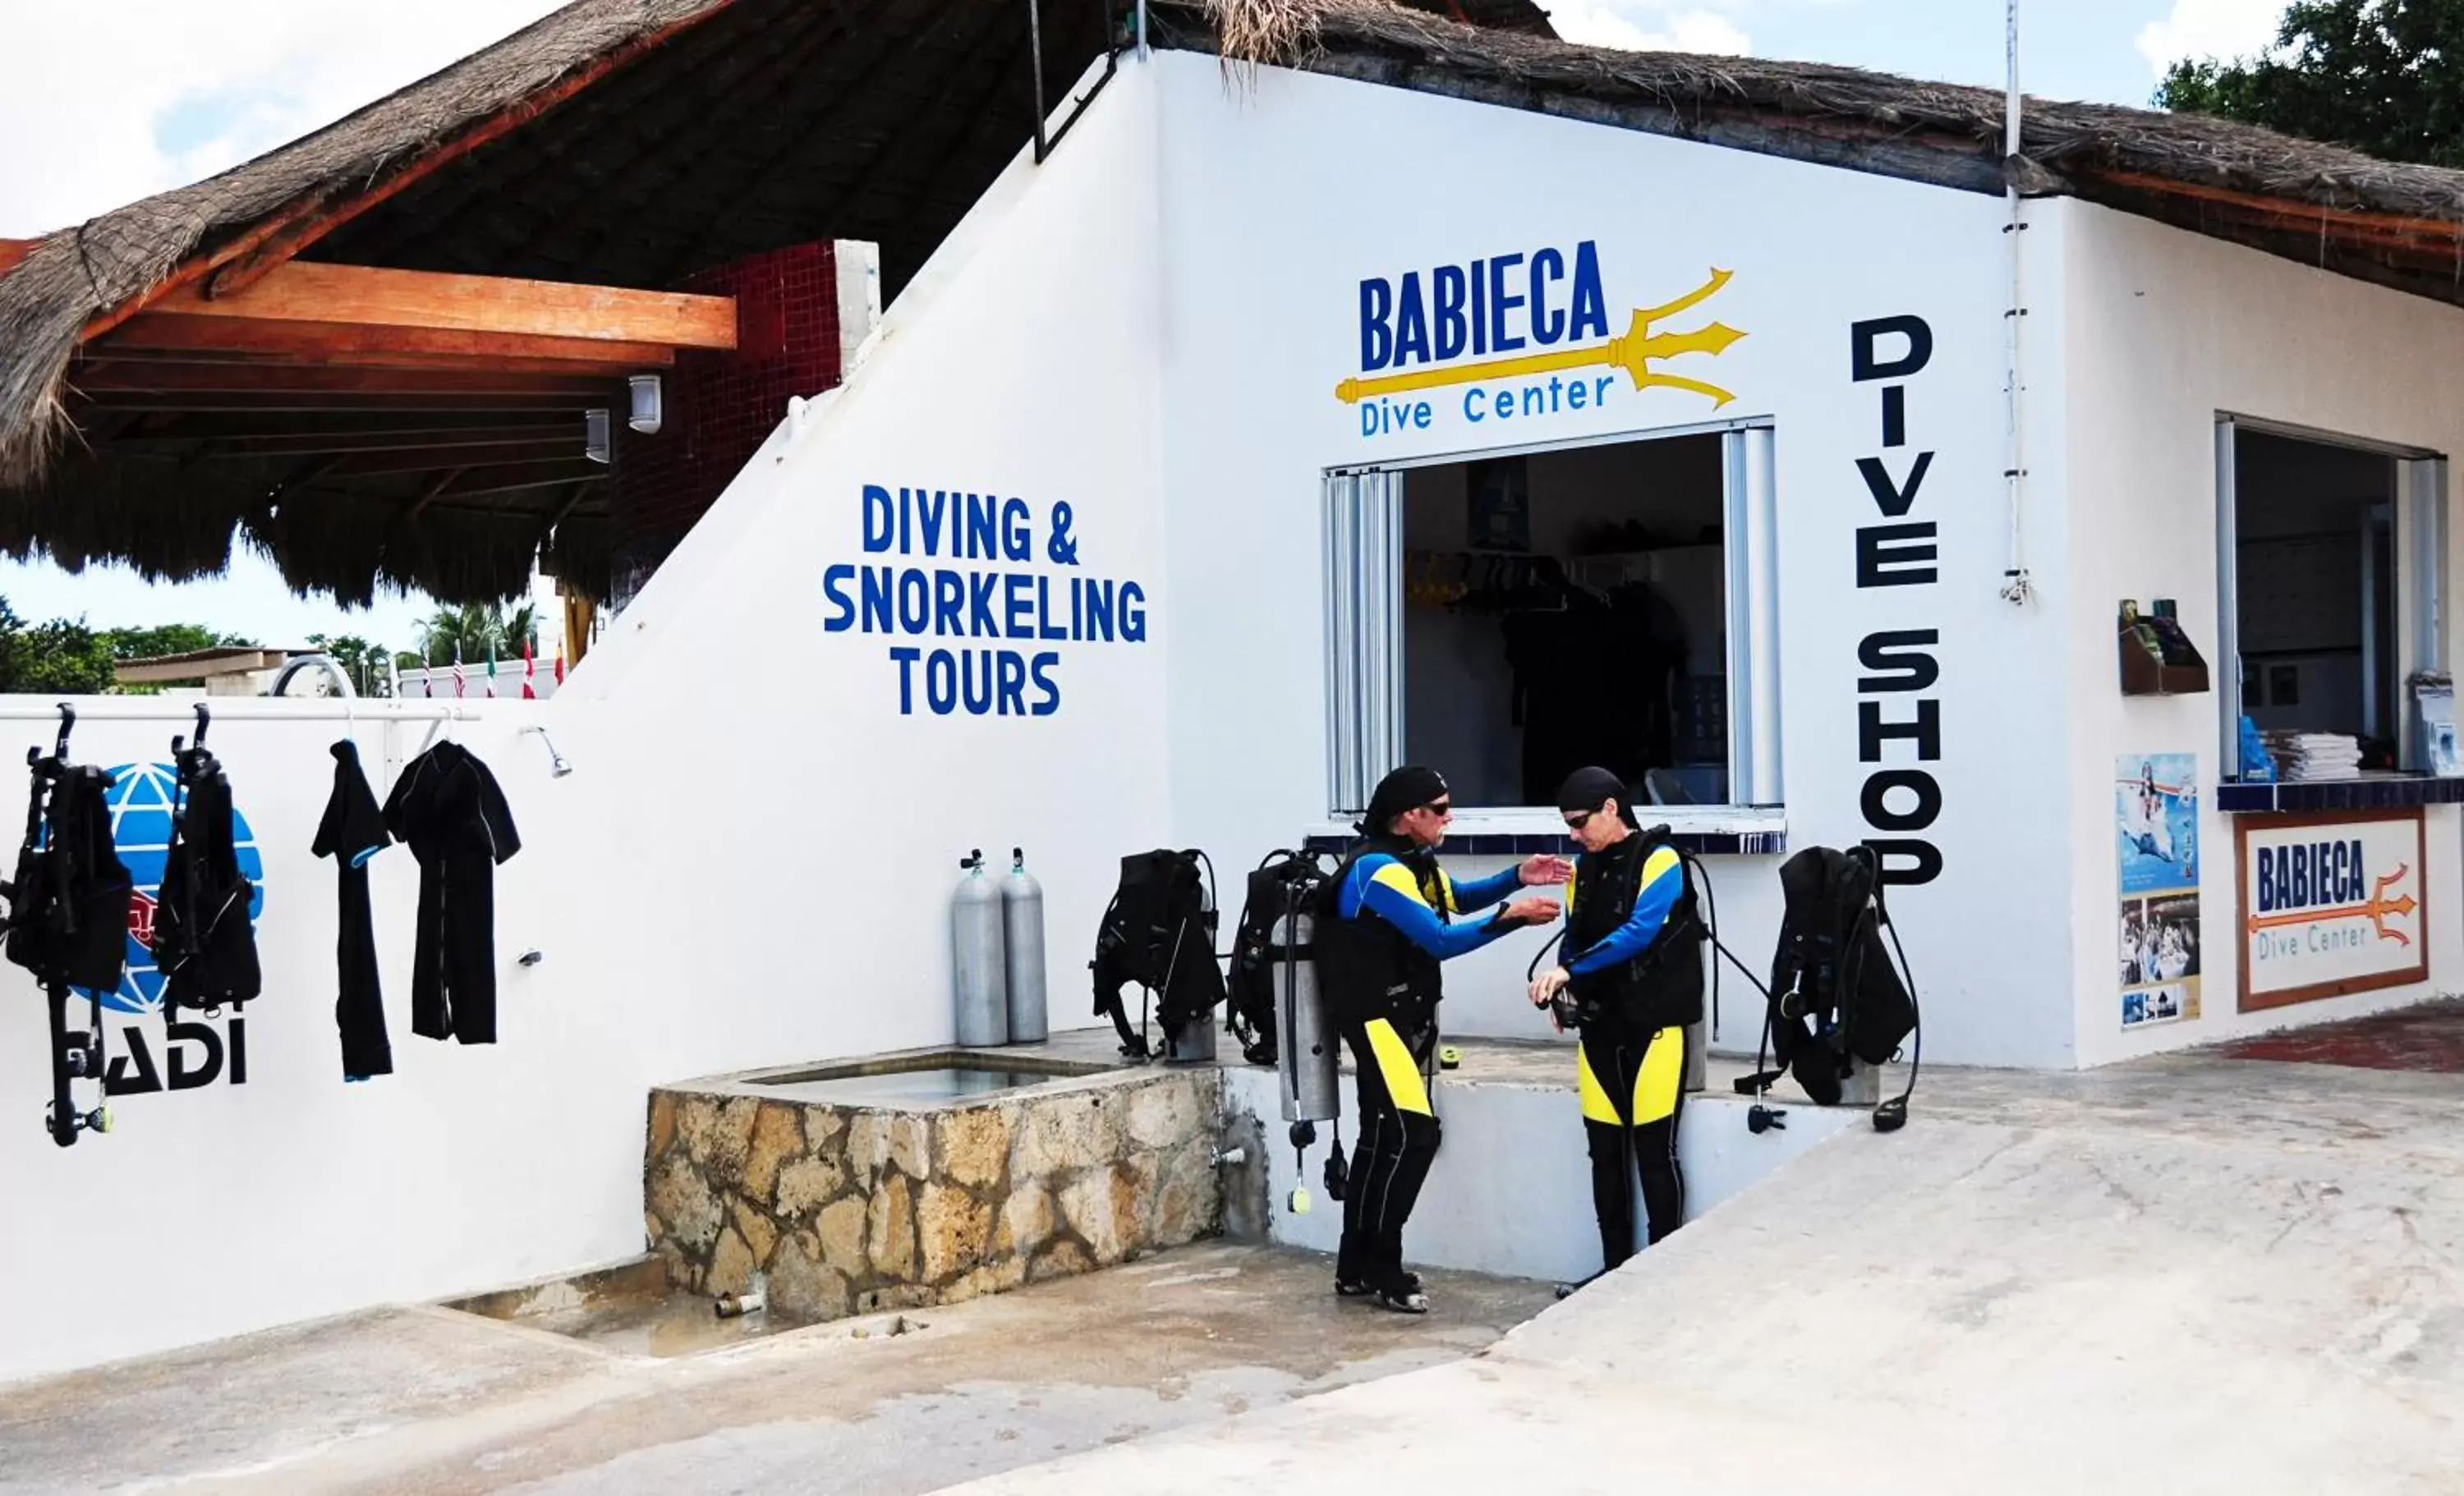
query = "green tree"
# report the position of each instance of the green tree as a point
(2385, 76)
(477, 629)
(58, 658)
(360, 659)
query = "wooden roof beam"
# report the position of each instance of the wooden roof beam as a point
(516, 478)
(260, 403)
(270, 378)
(363, 343)
(364, 295)
(408, 440)
(437, 459)
(2425, 233)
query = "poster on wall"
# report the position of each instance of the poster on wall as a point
(2330, 905)
(2156, 824)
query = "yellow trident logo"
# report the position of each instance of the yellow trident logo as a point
(1635, 353)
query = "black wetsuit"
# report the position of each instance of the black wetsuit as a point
(1636, 960)
(1395, 921)
(352, 832)
(448, 810)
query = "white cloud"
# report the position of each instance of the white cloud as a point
(2199, 29)
(105, 102)
(1647, 26)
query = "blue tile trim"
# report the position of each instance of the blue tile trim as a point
(2396, 794)
(1704, 844)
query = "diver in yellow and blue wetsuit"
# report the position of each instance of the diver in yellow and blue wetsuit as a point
(1397, 919)
(1630, 980)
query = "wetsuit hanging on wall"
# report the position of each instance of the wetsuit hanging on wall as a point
(352, 833)
(448, 810)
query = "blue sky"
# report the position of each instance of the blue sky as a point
(192, 88)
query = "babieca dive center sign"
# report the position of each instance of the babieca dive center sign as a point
(2330, 905)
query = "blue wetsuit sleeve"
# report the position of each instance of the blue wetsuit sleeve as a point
(1382, 886)
(1664, 879)
(1481, 893)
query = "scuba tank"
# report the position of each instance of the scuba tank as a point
(1022, 927)
(1308, 1061)
(977, 959)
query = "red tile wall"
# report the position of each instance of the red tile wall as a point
(720, 406)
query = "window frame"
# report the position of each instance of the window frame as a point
(2417, 533)
(1361, 516)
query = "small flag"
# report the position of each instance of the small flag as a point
(559, 663)
(457, 670)
(530, 673)
(492, 670)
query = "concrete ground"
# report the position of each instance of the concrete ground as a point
(2210, 1272)
(2186, 1275)
(423, 1400)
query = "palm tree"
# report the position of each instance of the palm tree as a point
(478, 630)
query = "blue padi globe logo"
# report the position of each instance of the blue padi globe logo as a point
(141, 800)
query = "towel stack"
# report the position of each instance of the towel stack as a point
(2315, 756)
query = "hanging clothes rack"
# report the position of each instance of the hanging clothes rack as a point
(241, 708)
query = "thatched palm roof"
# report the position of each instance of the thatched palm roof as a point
(633, 142)
(2402, 225)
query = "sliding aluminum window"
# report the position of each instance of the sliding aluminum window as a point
(1366, 581)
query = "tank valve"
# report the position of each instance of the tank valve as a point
(1231, 1158)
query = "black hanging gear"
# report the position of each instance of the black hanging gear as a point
(1158, 932)
(1283, 883)
(67, 917)
(205, 944)
(1834, 997)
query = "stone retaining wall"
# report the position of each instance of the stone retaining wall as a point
(853, 1209)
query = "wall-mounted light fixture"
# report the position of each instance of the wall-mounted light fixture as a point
(594, 435)
(647, 392)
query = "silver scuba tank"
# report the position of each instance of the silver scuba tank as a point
(978, 983)
(1022, 932)
(1307, 1059)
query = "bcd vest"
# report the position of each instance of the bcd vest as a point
(1661, 988)
(204, 943)
(1368, 968)
(68, 906)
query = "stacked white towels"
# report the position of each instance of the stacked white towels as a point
(2315, 756)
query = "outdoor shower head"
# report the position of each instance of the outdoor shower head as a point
(558, 764)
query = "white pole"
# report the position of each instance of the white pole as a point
(261, 709)
(2016, 588)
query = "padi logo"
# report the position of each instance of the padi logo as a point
(1517, 318)
(198, 1051)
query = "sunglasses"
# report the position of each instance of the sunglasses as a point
(1577, 820)
(1442, 808)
